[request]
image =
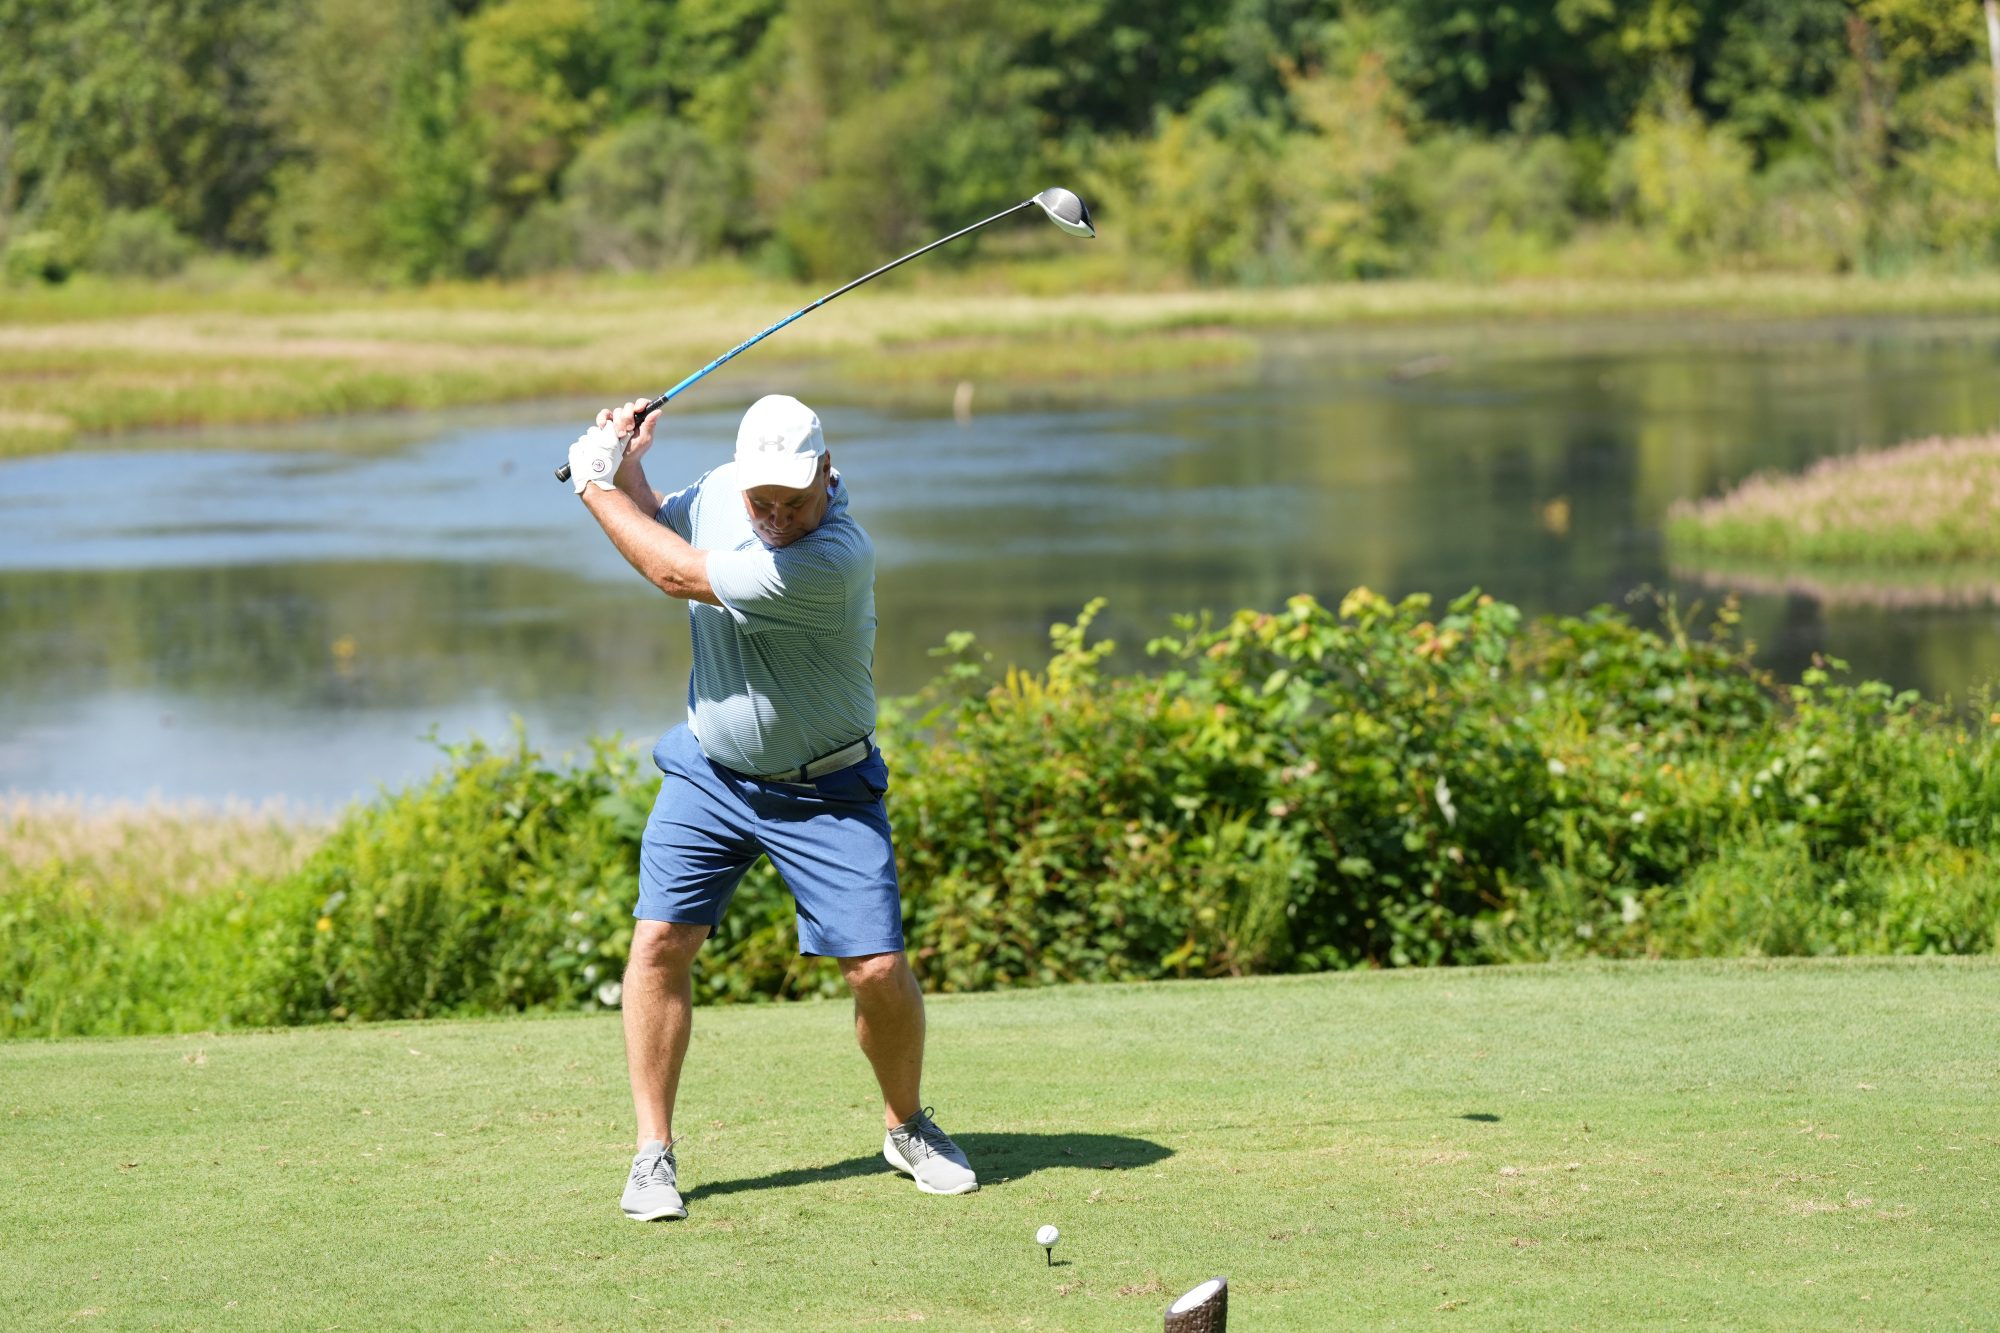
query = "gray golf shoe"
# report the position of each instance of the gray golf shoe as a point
(651, 1193)
(925, 1153)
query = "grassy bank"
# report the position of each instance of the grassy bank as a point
(97, 358)
(1748, 1146)
(1925, 507)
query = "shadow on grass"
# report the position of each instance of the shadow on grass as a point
(996, 1157)
(1010, 1156)
(784, 1180)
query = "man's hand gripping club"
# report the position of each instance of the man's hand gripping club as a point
(609, 445)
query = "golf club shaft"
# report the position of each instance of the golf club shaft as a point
(654, 405)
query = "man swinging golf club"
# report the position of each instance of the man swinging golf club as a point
(776, 758)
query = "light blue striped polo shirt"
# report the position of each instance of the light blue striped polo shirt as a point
(784, 668)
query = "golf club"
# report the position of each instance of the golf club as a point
(1064, 209)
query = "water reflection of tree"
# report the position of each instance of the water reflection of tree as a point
(338, 634)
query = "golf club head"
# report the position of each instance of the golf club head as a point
(1066, 211)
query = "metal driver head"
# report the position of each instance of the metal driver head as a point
(1066, 211)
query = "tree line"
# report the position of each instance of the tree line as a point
(1264, 141)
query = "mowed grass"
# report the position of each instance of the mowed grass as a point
(1785, 1144)
(92, 362)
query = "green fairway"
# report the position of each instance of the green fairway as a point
(1808, 1144)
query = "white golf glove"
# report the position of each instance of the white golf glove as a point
(594, 459)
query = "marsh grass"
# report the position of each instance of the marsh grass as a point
(1006, 361)
(133, 859)
(1927, 503)
(103, 357)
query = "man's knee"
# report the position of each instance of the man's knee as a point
(876, 971)
(664, 946)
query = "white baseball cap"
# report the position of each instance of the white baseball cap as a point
(778, 444)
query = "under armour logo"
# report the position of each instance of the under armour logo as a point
(770, 444)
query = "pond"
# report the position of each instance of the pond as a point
(296, 612)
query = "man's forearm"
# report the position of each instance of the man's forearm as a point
(631, 479)
(655, 550)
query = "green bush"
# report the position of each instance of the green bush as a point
(140, 243)
(644, 196)
(51, 949)
(38, 256)
(1208, 191)
(1495, 207)
(1296, 790)
(495, 886)
(70, 965)
(1679, 177)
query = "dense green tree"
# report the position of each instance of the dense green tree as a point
(1113, 66)
(886, 120)
(1471, 63)
(535, 74)
(1254, 140)
(138, 105)
(1776, 58)
(671, 58)
(339, 82)
(440, 215)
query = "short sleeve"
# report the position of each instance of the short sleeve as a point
(800, 587)
(677, 510)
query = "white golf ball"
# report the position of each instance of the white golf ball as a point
(1046, 1236)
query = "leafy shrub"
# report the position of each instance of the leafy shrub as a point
(646, 195)
(38, 256)
(506, 883)
(1296, 790)
(140, 243)
(70, 965)
(51, 950)
(495, 886)
(1231, 191)
(1494, 206)
(1208, 199)
(1952, 176)
(1684, 178)
(1807, 221)
(1343, 181)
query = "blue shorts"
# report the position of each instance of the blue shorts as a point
(829, 840)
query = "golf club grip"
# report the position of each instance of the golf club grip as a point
(645, 410)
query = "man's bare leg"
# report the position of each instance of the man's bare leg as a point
(889, 1021)
(658, 1001)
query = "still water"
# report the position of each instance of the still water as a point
(292, 612)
